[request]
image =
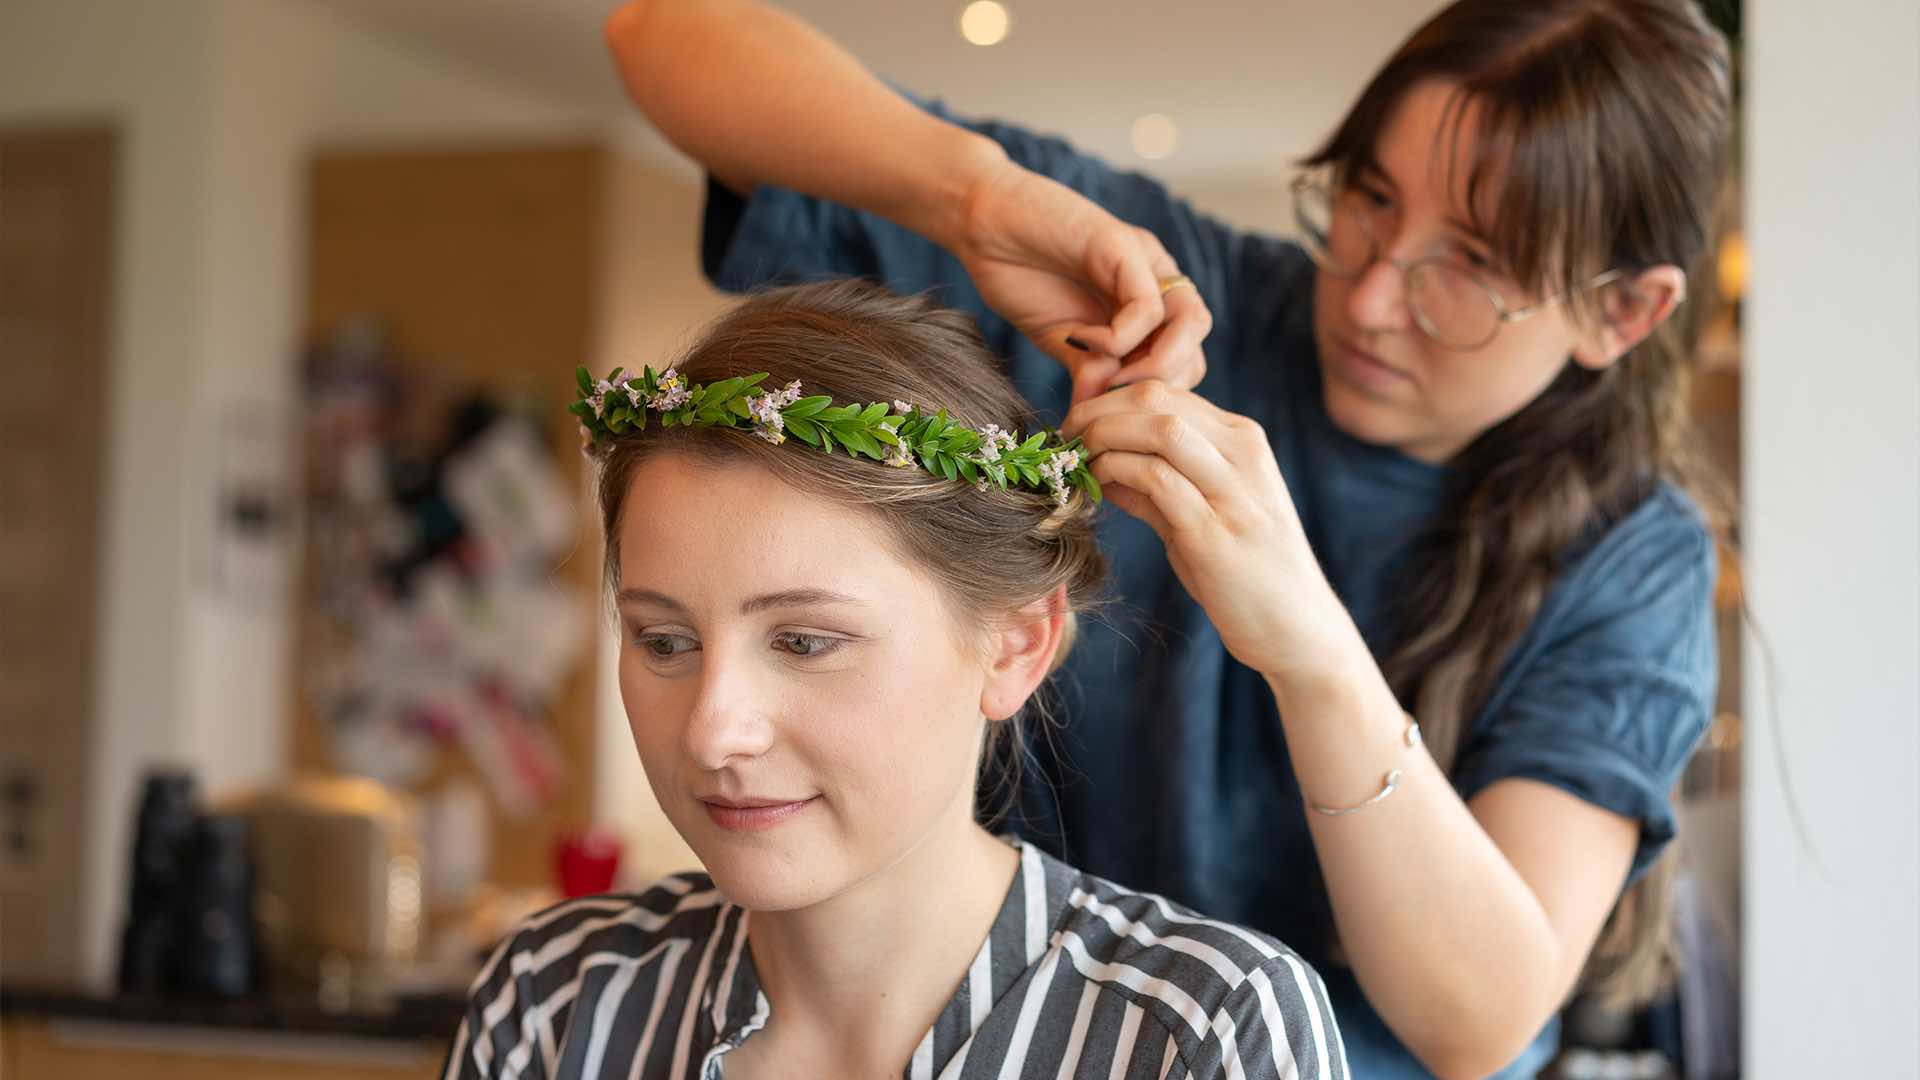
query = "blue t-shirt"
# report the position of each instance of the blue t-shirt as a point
(1171, 772)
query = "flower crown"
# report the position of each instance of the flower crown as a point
(900, 436)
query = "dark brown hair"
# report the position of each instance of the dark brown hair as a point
(992, 552)
(1599, 130)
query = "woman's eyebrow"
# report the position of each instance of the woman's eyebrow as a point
(650, 598)
(781, 599)
(1369, 169)
(798, 598)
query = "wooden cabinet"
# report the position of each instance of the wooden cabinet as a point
(108, 1050)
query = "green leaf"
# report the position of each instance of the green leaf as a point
(1032, 474)
(1038, 440)
(751, 381)
(862, 442)
(969, 470)
(640, 420)
(807, 407)
(885, 435)
(872, 413)
(580, 409)
(1092, 485)
(739, 408)
(723, 390)
(585, 380)
(804, 430)
(614, 375)
(948, 467)
(826, 440)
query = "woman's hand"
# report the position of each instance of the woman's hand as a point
(1058, 266)
(1206, 481)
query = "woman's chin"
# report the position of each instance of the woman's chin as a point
(760, 879)
(1363, 416)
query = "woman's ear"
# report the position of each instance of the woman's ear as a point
(1020, 653)
(1629, 311)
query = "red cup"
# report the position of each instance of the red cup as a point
(587, 860)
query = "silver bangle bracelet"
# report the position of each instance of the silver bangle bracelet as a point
(1388, 784)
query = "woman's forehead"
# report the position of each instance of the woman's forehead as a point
(1430, 148)
(732, 531)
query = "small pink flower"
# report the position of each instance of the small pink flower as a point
(672, 391)
(1055, 469)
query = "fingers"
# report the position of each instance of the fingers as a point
(1121, 264)
(1153, 398)
(1171, 438)
(1136, 505)
(1158, 493)
(1090, 377)
(1172, 354)
(1150, 334)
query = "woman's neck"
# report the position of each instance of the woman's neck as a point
(856, 981)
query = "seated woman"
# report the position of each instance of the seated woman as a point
(837, 584)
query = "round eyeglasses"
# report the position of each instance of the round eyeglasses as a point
(1450, 303)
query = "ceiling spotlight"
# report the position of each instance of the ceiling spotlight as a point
(1154, 135)
(985, 22)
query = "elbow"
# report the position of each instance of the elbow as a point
(624, 21)
(1487, 1032)
(1476, 1060)
(625, 28)
(1465, 1066)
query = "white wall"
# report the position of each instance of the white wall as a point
(219, 102)
(1832, 475)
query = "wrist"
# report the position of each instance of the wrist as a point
(1334, 673)
(958, 165)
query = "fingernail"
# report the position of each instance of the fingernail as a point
(1078, 344)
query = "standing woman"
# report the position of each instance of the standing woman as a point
(1432, 467)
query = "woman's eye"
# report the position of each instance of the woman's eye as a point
(665, 646)
(805, 645)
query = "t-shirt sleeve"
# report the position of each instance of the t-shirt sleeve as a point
(1623, 687)
(781, 237)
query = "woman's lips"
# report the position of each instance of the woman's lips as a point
(751, 815)
(1365, 370)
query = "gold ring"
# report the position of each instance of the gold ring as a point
(1177, 281)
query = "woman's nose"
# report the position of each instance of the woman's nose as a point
(729, 721)
(1377, 300)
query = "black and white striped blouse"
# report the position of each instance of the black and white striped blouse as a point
(1078, 978)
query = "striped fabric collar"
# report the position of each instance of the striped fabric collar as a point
(1035, 904)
